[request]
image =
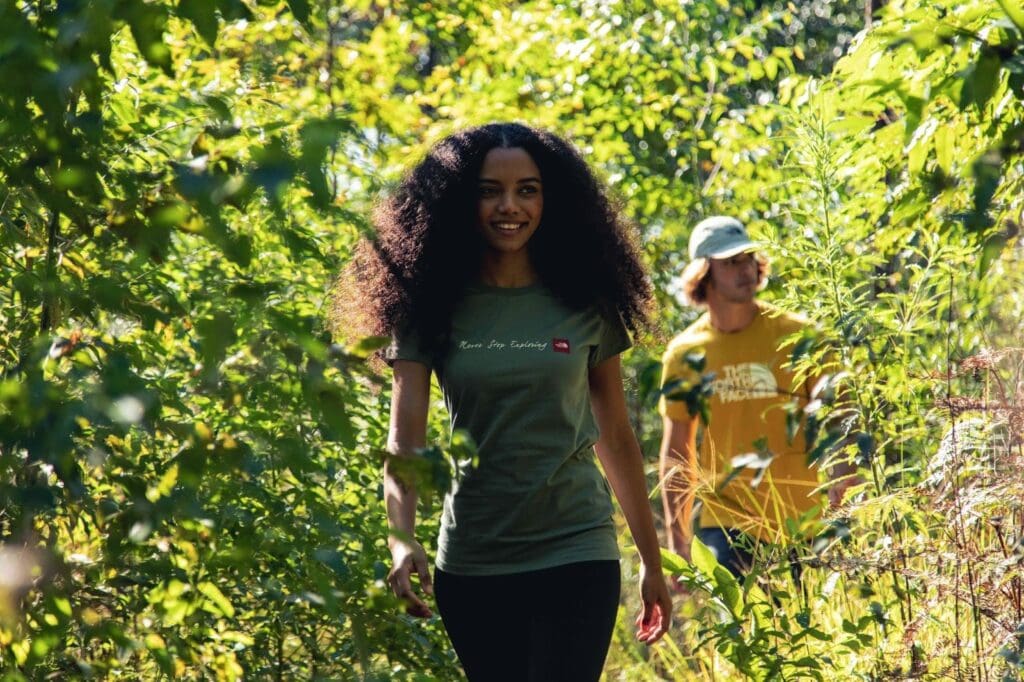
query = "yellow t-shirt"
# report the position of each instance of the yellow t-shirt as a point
(752, 386)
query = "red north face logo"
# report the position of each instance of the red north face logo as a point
(560, 345)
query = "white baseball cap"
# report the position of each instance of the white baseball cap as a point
(720, 237)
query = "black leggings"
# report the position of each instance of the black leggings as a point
(552, 624)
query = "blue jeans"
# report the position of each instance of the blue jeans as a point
(729, 547)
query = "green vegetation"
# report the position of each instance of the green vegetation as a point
(190, 461)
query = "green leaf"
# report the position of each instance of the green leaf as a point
(672, 563)
(703, 558)
(728, 589)
(920, 145)
(238, 249)
(824, 447)
(794, 419)
(803, 347)
(1015, 11)
(148, 22)
(234, 10)
(216, 332)
(878, 613)
(696, 360)
(63, 606)
(158, 650)
(914, 110)
(705, 412)
(123, 109)
(335, 421)
(988, 170)
(865, 447)
(945, 140)
(994, 245)
(318, 138)
(333, 559)
(203, 15)
(300, 10)
(367, 346)
(168, 214)
(220, 603)
(274, 168)
(462, 452)
(220, 107)
(253, 293)
(980, 81)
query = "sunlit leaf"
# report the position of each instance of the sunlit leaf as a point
(219, 603)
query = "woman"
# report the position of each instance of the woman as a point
(500, 265)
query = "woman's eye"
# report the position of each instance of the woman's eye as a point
(488, 191)
(529, 189)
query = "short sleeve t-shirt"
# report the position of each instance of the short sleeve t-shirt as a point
(753, 384)
(515, 377)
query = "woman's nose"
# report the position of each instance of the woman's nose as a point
(506, 203)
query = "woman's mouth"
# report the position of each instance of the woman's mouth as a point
(507, 227)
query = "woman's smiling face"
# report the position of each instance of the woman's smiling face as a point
(510, 199)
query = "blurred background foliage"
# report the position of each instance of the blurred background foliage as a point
(190, 463)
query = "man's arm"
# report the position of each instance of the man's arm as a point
(678, 471)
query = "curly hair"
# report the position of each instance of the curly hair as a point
(411, 274)
(694, 280)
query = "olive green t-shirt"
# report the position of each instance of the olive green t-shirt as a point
(515, 377)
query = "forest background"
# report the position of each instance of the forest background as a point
(190, 459)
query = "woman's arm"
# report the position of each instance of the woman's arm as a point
(410, 397)
(620, 455)
(678, 470)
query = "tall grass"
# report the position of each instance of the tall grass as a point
(920, 574)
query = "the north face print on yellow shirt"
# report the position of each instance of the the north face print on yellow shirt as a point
(745, 381)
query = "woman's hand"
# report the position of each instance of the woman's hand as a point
(407, 557)
(656, 616)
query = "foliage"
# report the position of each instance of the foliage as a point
(189, 467)
(898, 195)
(186, 452)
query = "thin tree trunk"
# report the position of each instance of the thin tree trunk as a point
(870, 8)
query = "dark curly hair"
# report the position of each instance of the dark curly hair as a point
(426, 249)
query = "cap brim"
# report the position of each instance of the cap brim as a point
(744, 247)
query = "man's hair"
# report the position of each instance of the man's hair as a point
(697, 273)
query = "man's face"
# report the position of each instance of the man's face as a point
(734, 279)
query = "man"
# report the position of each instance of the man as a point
(740, 341)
